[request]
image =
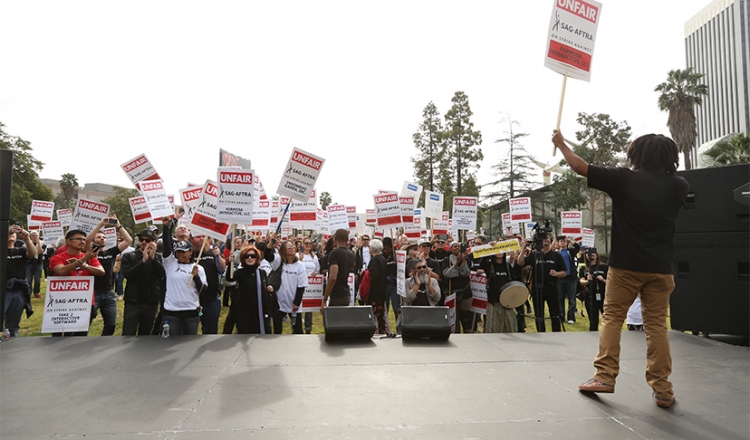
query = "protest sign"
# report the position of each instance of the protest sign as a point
(300, 175)
(312, 299)
(464, 213)
(52, 231)
(433, 204)
(111, 235)
(65, 216)
(370, 218)
(572, 222)
(510, 227)
(450, 302)
(500, 247)
(32, 225)
(42, 211)
(520, 209)
(302, 215)
(588, 238)
(261, 215)
(156, 198)
(67, 304)
(351, 217)
(204, 220)
(407, 209)
(387, 210)
(439, 227)
(471, 235)
(571, 37)
(88, 214)
(401, 272)
(275, 212)
(478, 293)
(337, 218)
(140, 168)
(227, 159)
(322, 222)
(413, 230)
(350, 281)
(191, 197)
(411, 189)
(234, 204)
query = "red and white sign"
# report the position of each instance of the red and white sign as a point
(520, 209)
(401, 272)
(32, 225)
(387, 210)
(67, 304)
(302, 215)
(413, 230)
(87, 215)
(156, 198)
(322, 222)
(571, 37)
(413, 190)
(111, 235)
(588, 238)
(478, 293)
(450, 302)
(407, 209)
(439, 227)
(370, 218)
(275, 212)
(139, 209)
(464, 213)
(65, 216)
(52, 231)
(261, 214)
(42, 211)
(312, 299)
(510, 227)
(572, 222)
(204, 217)
(236, 187)
(190, 197)
(300, 175)
(351, 217)
(337, 218)
(140, 168)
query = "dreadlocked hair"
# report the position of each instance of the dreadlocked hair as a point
(654, 152)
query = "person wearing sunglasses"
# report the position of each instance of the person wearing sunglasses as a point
(421, 288)
(293, 283)
(308, 258)
(252, 302)
(144, 272)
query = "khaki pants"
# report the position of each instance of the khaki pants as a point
(623, 287)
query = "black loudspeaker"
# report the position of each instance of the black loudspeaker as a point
(713, 204)
(6, 181)
(349, 323)
(425, 323)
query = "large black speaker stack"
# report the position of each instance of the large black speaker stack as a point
(712, 267)
(349, 323)
(425, 323)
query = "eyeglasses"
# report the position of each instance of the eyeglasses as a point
(78, 238)
(251, 256)
(146, 240)
(365, 239)
(308, 243)
(440, 242)
(421, 267)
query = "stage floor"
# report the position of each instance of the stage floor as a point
(514, 386)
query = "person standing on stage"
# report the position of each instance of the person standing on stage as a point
(646, 200)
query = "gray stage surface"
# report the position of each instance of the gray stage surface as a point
(514, 386)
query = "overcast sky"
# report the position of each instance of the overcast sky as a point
(92, 84)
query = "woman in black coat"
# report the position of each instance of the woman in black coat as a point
(252, 304)
(378, 292)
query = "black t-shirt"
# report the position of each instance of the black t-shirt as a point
(550, 260)
(107, 259)
(17, 263)
(211, 291)
(595, 286)
(377, 268)
(645, 205)
(498, 274)
(344, 258)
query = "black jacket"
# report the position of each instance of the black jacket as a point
(147, 282)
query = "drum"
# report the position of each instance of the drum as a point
(513, 294)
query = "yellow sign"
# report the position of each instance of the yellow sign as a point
(499, 248)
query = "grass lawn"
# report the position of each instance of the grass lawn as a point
(32, 326)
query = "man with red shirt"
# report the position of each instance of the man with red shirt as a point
(74, 262)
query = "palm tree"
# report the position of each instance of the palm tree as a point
(679, 95)
(733, 151)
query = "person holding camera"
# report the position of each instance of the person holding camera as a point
(18, 295)
(421, 288)
(593, 280)
(35, 265)
(547, 267)
(104, 295)
(566, 286)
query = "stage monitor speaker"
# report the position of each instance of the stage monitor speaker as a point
(6, 181)
(712, 283)
(716, 202)
(425, 323)
(349, 323)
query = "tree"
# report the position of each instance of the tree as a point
(325, 200)
(733, 151)
(120, 205)
(679, 95)
(462, 141)
(513, 172)
(26, 185)
(66, 198)
(428, 140)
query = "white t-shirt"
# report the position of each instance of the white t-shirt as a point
(365, 256)
(293, 275)
(181, 297)
(311, 263)
(634, 313)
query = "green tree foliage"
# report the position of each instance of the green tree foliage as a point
(325, 200)
(120, 206)
(66, 198)
(26, 185)
(462, 141)
(512, 174)
(679, 95)
(428, 140)
(733, 151)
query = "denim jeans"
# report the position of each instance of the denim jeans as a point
(181, 326)
(14, 304)
(105, 301)
(34, 273)
(566, 288)
(210, 318)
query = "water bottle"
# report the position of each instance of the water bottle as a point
(6, 334)
(165, 330)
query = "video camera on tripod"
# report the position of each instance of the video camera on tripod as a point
(537, 241)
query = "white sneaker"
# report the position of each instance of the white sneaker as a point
(571, 322)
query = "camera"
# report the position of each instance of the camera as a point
(112, 221)
(590, 252)
(464, 247)
(95, 248)
(540, 234)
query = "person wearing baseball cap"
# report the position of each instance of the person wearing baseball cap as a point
(144, 272)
